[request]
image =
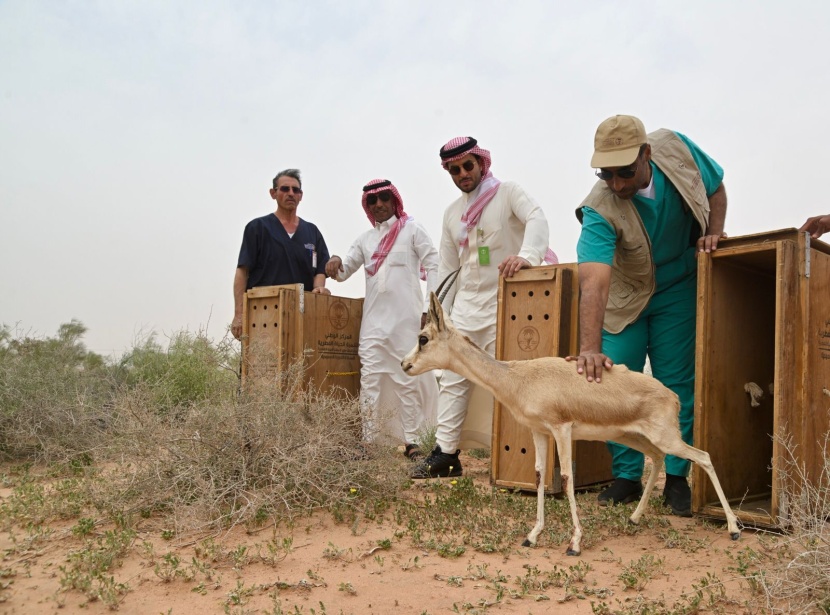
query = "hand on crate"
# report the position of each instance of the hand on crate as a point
(709, 243)
(512, 264)
(816, 226)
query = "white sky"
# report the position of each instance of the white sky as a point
(137, 138)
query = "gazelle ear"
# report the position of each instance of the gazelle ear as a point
(436, 312)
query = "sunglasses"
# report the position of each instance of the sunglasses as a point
(383, 195)
(288, 189)
(468, 166)
(624, 173)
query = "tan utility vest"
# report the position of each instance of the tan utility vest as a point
(632, 272)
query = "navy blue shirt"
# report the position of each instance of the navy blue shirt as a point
(272, 257)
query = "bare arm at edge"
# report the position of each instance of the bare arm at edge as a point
(717, 221)
(594, 284)
(240, 282)
(320, 285)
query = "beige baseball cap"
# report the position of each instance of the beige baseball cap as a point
(618, 141)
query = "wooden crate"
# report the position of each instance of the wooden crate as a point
(285, 324)
(763, 317)
(538, 317)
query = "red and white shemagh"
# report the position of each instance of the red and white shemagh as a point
(457, 148)
(388, 240)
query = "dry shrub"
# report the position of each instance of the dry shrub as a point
(273, 452)
(176, 436)
(796, 576)
(53, 393)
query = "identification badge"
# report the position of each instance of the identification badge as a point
(312, 252)
(484, 255)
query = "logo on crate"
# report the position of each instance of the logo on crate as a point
(338, 314)
(528, 339)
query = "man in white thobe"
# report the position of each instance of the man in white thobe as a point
(394, 254)
(494, 228)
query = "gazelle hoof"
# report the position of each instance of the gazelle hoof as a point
(572, 552)
(632, 522)
(527, 543)
(735, 535)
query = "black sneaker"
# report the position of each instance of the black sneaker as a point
(438, 464)
(413, 452)
(678, 496)
(621, 491)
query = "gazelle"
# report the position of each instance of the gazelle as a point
(550, 397)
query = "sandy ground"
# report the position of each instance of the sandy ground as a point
(335, 568)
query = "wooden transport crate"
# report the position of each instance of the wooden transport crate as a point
(763, 317)
(285, 324)
(538, 317)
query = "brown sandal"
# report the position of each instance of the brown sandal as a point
(413, 452)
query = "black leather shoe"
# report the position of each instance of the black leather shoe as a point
(678, 496)
(438, 465)
(621, 491)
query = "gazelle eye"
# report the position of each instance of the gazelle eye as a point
(422, 340)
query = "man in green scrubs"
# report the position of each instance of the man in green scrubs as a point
(659, 201)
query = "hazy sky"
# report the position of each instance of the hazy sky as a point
(137, 138)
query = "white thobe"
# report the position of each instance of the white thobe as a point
(395, 405)
(511, 224)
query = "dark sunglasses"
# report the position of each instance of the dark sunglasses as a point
(624, 173)
(293, 189)
(383, 195)
(468, 166)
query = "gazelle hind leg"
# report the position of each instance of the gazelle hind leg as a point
(562, 434)
(540, 444)
(647, 447)
(657, 459)
(702, 459)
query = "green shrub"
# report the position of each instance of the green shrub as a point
(53, 393)
(191, 370)
(57, 397)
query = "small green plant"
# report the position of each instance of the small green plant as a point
(87, 569)
(84, 526)
(274, 552)
(347, 588)
(683, 541)
(239, 595)
(450, 550)
(168, 568)
(208, 549)
(747, 566)
(638, 573)
(333, 552)
(240, 556)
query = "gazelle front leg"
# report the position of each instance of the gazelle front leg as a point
(540, 443)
